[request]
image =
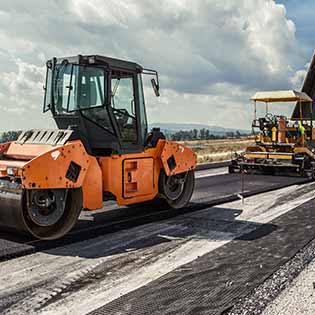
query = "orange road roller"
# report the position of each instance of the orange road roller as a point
(101, 151)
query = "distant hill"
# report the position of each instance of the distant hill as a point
(170, 128)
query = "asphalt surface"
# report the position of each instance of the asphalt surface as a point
(285, 291)
(213, 283)
(201, 260)
(213, 186)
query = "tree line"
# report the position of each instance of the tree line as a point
(182, 135)
(9, 136)
(202, 134)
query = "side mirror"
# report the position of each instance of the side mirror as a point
(155, 87)
(49, 64)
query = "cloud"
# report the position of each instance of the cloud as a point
(298, 77)
(27, 79)
(210, 109)
(210, 54)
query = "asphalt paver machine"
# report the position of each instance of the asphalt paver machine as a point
(282, 145)
(101, 151)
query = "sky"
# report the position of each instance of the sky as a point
(212, 55)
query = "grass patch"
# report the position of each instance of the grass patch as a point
(217, 150)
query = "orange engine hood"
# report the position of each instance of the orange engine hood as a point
(26, 151)
(14, 156)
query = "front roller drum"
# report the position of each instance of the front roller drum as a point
(45, 214)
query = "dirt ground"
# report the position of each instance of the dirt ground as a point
(217, 150)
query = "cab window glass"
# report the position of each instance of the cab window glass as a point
(47, 101)
(123, 106)
(143, 116)
(88, 85)
(61, 83)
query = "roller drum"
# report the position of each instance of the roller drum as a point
(15, 214)
(11, 210)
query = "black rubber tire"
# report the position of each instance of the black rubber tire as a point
(70, 217)
(185, 195)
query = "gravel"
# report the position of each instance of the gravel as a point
(298, 298)
(260, 301)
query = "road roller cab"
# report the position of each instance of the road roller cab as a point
(282, 145)
(102, 150)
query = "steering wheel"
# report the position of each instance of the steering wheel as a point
(122, 116)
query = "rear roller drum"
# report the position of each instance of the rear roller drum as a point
(177, 189)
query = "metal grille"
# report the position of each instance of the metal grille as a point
(45, 136)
